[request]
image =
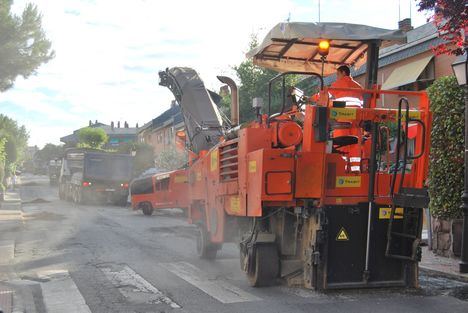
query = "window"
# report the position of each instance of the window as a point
(142, 186)
(162, 184)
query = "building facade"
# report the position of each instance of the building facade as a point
(117, 135)
(161, 132)
(411, 66)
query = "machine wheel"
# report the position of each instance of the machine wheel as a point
(265, 269)
(147, 209)
(205, 249)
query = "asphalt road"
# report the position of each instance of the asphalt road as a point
(101, 258)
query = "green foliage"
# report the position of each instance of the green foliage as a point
(170, 159)
(2, 164)
(447, 146)
(225, 105)
(49, 152)
(2, 149)
(254, 83)
(144, 158)
(126, 148)
(93, 138)
(14, 140)
(144, 155)
(23, 44)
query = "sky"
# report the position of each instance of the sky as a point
(108, 52)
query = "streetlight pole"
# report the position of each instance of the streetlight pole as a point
(464, 248)
(460, 69)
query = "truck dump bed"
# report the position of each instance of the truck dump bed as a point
(105, 166)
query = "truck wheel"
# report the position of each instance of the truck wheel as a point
(79, 196)
(61, 194)
(205, 249)
(69, 194)
(265, 269)
(75, 195)
(147, 209)
(120, 201)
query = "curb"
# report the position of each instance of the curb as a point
(17, 305)
(11, 204)
(433, 272)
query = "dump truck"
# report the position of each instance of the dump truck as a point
(92, 175)
(313, 192)
(53, 170)
(160, 191)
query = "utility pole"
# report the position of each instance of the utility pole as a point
(464, 250)
(460, 69)
(319, 10)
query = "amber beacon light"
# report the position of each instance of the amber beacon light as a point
(324, 47)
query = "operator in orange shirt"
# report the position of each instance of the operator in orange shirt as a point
(344, 80)
(352, 153)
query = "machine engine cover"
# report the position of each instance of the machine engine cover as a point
(289, 134)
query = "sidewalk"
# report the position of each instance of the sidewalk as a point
(12, 201)
(441, 266)
(10, 210)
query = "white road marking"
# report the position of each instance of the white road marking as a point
(11, 215)
(218, 289)
(135, 287)
(61, 294)
(7, 251)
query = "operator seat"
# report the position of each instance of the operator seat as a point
(341, 128)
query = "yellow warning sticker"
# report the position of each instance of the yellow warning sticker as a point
(235, 204)
(412, 114)
(214, 160)
(342, 235)
(348, 181)
(180, 179)
(384, 213)
(343, 113)
(252, 166)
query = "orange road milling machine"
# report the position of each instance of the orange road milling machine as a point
(325, 193)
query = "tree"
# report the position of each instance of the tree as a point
(2, 167)
(170, 159)
(94, 138)
(23, 44)
(49, 152)
(451, 19)
(15, 139)
(144, 158)
(254, 83)
(144, 155)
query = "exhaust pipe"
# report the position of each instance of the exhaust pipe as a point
(234, 98)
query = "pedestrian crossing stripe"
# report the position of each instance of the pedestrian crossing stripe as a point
(342, 235)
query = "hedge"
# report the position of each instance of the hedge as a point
(446, 170)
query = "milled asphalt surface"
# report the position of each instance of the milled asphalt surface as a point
(103, 258)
